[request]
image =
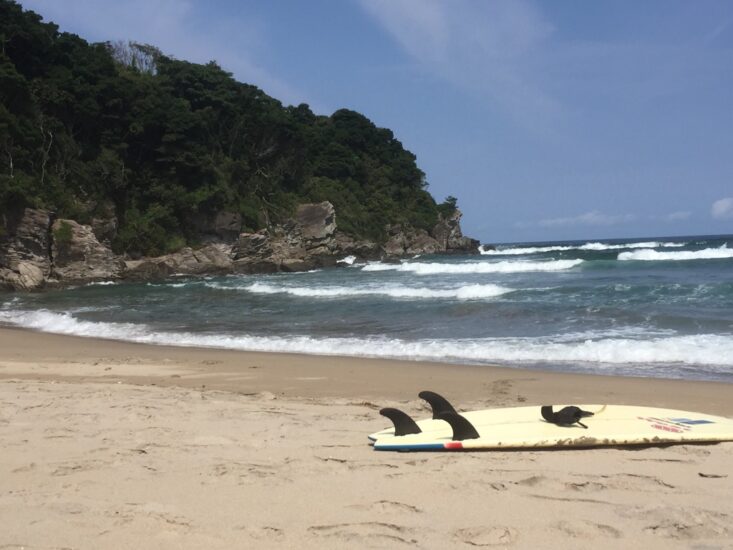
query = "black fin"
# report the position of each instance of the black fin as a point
(547, 413)
(462, 428)
(403, 424)
(438, 403)
(566, 416)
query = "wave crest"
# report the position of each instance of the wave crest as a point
(467, 292)
(420, 268)
(681, 255)
(594, 246)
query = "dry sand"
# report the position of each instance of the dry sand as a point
(114, 445)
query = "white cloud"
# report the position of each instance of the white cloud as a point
(589, 218)
(177, 29)
(722, 209)
(484, 47)
(677, 216)
(592, 218)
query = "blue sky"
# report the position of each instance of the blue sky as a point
(552, 120)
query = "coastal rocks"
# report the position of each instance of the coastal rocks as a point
(25, 260)
(404, 241)
(345, 245)
(317, 224)
(306, 242)
(38, 250)
(210, 259)
(26, 276)
(78, 256)
(448, 234)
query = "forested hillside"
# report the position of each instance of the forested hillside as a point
(102, 130)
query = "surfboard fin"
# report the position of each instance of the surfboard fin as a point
(566, 416)
(438, 403)
(403, 424)
(462, 428)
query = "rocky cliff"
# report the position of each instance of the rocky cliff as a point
(37, 250)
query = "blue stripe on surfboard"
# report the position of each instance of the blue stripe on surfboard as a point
(691, 422)
(414, 447)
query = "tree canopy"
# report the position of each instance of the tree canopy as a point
(94, 130)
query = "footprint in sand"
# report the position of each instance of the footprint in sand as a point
(487, 536)
(683, 523)
(389, 533)
(388, 507)
(266, 532)
(587, 530)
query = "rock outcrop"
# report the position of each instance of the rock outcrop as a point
(37, 250)
(306, 242)
(450, 238)
(79, 257)
(25, 250)
(210, 259)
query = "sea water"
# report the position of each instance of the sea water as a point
(645, 307)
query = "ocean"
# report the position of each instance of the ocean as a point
(659, 307)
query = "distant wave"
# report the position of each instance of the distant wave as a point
(655, 355)
(587, 246)
(468, 292)
(656, 256)
(421, 268)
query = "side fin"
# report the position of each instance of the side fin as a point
(462, 428)
(403, 424)
(438, 403)
(566, 416)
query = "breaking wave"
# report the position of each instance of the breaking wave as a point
(656, 256)
(420, 268)
(656, 355)
(595, 246)
(467, 292)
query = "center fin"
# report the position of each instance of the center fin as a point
(438, 403)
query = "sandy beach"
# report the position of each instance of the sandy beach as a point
(115, 445)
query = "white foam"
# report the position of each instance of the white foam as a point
(348, 260)
(654, 352)
(587, 246)
(422, 268)
(681, 255)
(467, 292)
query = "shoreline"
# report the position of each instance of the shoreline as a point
(30, 354)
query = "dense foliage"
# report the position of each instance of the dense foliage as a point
(94, 130)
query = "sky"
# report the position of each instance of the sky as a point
(553, 120)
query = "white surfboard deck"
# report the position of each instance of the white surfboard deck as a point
(524, 427)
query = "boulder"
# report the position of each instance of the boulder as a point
(447, 232)
(212, 258)
(252, 245)
(25, 257)
(79, 257)
(27, 276)
(407, 241)
(317, 223)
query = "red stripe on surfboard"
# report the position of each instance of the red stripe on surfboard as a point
(453, 445)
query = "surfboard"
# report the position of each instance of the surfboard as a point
(526, 428)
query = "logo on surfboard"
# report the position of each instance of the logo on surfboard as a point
(674, 425)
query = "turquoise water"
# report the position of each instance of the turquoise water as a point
(658, 307)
